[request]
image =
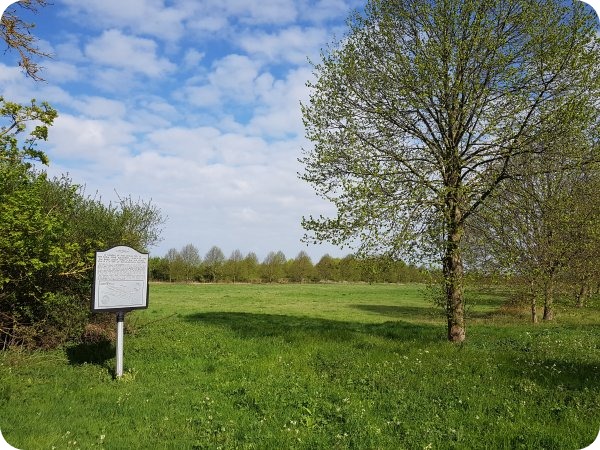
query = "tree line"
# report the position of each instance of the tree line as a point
(187, 265)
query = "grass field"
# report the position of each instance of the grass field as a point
(312, 366)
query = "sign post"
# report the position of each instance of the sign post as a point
(120, 327)
(120, 285)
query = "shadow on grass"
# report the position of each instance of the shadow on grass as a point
(91, 353)
(407, 312)
(429, 314)
(572, 375)
(293, 328)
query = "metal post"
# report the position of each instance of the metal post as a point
(120, 323)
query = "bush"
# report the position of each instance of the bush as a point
(49, 233)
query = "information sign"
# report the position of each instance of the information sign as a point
(120, 280)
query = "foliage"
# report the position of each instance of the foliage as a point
(426, 107)
(49, 231)
(309, 366)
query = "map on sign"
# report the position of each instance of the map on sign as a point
(120, 280)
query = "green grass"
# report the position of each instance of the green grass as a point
(312, 366)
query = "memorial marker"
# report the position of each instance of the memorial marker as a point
(120, 285)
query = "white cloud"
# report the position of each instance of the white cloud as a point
(203, 96)
(217, 15)
(192, 57)
(114, 80)
(265, 12)
(100, 107)
(9, 74)
(293, 45)
(105, 142)
(69, 50)
(130, 53)
(280, 113)
(149, 17)
(234, 77)
(60, 71)
(326, 10)
(193, 144)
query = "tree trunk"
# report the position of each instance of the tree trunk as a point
(534, 318)
(548, 299)
(582, 295)
(453, 281)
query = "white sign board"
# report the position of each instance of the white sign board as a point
(120, 280)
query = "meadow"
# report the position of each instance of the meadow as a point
(313, 366)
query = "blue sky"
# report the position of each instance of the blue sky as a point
(193, 104)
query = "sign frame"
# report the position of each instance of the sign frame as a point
(112, 286)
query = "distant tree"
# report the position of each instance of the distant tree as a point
(426, 107)
(251, 267)
(190, 260)
(374, 268)
(158, 269)
(273, 266)
(327, 268)
(301, 268)
(349, 268)
(175, 265)
(234, 266)
(213, 264)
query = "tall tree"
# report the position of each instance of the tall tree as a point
(421, 111)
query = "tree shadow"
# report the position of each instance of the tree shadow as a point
(404, 312)
(295, 328)
(570, 375)
(91, 353)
